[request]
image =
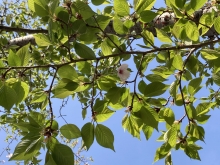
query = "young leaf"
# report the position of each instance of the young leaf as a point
(70, 131)
(162, 151)
(142, 5)
(24, 55)
(42, 40)
(13, 59)
(171, 135)
(121, 7)
(149, 116)
(147, 130)
(162, 36)
(132, 124)
(192, 153)
(84, 9)
(178, 62)
(104, 136)
(39, 7)
(197, 4)
(104, 115)
(217, 24)
(118, 26)
(194, 85)
(173, 89)
(210, 54)
(169, 116)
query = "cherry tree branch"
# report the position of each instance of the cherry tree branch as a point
(17, 29)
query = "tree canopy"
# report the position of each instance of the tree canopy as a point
(52, 49)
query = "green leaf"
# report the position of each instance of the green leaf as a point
(27, 148)
(178, 3)
(21, 89)
(149, 116)
(155, 77)
(84, 51)
(53, 5)
(39, 7)
(197, 4)
(104, 136)
(42, 40)
(206, 22)
(178, 62)
(147, 130)
(162, 151)
(118, 26)
(203, 108)
(155, 89)
(147, 15)
(171, 135)
(192, 153)
(39, 97)
(114, 95)
(168, 160)
(84, 9)
(70, 131)
(104, 115)
(202, 119)
(8, 97)
(192, 31)
(87, 133)
(142, 86)
(13, 59)
(62, 154)
(103, 21)
(148, 36)
(106, 49)
(54, 126)
(64, 88)
(179, 29)
(216, 78)
(194, 85)
(49, 159)
(105, 83)
(173, 89)
(24, 55)
(67, 71)
(132, 124)
(192, 64)
(142, 5)
(210, 54)
(121, 7)
(34, 146)
(191, 111)
(217, 24)
(169, 116)
(162, 36)
(97, 2)
(62, 14)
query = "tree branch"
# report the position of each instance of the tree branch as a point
(17, 29)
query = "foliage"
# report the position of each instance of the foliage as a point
(77, 52)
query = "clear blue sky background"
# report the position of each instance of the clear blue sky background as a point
(129, 150)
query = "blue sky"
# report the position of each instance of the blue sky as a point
(130, 150)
